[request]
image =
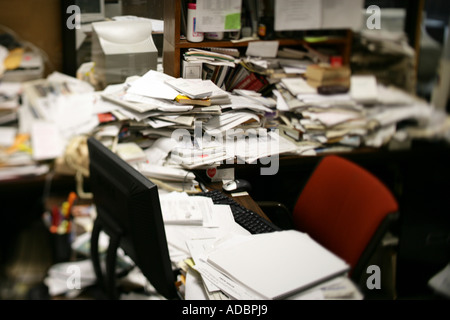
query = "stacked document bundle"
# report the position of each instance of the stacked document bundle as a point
(369, 114)
(190, 121)
(179, 208)
(276, 265)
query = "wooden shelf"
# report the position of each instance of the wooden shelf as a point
(174, 47)
(184, 44)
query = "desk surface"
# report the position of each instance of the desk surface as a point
(244, 199)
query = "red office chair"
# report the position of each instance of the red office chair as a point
(346, 209)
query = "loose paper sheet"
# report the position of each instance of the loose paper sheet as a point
(218, 15)
(298, 14)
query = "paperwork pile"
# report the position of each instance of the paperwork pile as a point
(369, 114)
(222, 260)
(55, 110)
(151, 109)
(16, 154)
(260, 266)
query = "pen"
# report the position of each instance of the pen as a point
(56, 219)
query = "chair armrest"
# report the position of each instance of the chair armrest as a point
(278, 213)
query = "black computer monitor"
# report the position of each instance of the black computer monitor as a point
(129, 211)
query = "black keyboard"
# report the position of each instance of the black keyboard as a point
(249, 220)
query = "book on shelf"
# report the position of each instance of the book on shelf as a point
(246, 82)
(208, 71)
(253, 82)
(234, 52)
(215, 73)
(209, 55)
(223, 73)
(237, 76)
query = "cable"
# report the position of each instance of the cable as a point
(76, 156)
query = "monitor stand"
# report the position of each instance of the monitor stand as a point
(109, 284)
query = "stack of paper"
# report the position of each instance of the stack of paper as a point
(210, 57)
(179, 208)
(273, 265)
(201, 132)
(368, 115)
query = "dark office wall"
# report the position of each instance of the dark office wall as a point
(153, 9)
(38, 22)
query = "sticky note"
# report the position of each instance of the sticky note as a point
(233, 21)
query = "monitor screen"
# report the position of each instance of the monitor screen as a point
(128, 209)
(91, 10)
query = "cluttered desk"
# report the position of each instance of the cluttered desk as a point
(156, 141)
(196, 247)
(163, 128)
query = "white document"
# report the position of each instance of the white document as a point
(342, 14)
(45, 141)
(74, 114)
(228, 121)
(281, 103)
(298, 86)
(209, 86)
(148, 103)
(363, 88)
(257, 98)
(23, 170)
(298, 14)
(265, 49)
(247, 102)
(393, 114)
(218, 15)
(152, 85)
(198, 249)
(227, 285)
(159, 150)
(179, 208)
(186, 121)
(440, 282)
(194, 287)
(165, 173)
(7, 136)
(60, 273)
(278, 264)
(332, 118)
(177, 234)
(156, 123)
(261, 147)
(190, 88)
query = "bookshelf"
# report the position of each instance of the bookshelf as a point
(173, 46)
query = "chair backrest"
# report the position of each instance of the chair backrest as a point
(342, 206)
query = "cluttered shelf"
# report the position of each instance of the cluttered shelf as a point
(282, 42)
(176, 39)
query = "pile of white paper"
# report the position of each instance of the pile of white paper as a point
(370, 114)
(277, 265)
(198, 134)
